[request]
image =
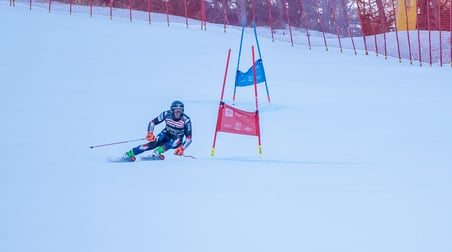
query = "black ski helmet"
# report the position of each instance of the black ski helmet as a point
(177, 104)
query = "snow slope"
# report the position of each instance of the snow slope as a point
(356, 149)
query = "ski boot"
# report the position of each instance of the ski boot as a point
(158, 153)
(129, 156)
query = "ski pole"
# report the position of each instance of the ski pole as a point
(188, 156)
(128, 141)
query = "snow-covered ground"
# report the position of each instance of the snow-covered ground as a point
(356, 149)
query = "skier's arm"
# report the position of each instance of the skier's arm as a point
(152, 124)
(187, 133)
(156, 121)
(150, 137)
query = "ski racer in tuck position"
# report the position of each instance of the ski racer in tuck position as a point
(178, 127)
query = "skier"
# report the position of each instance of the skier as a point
(178, 126)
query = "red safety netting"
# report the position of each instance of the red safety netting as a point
(417, 30)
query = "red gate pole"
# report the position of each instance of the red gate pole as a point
(70, 7)
(396, 33)
(440, 35)
(167, 11)
(130, 10)
(429, 32)
(373, 28)
(221, 103)
(111, 9)
(186, 13)
(225, 74)
(335, 24)
(362, 31)
(450, 34)
(286, 7)
(90, 8)
(203, 15)
(149, 11)
(384, 30)
(259, 145)
(408, 31)
(347, 19)
(225, 14)
(270, 19)
(321, 23)
(303, 12)
(418, 35)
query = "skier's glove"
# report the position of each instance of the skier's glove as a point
(179, 151)
(150, 137)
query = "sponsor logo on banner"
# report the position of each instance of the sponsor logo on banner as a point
(237, 121)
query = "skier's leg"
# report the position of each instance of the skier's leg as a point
(160, 148)
(172, 144)
(140, 149)
(145, 147)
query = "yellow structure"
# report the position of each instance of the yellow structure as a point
(406, 12)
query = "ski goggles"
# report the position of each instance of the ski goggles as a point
(177, 110)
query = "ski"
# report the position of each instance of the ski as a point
(129, 160)
(119, 160)
(149, 158)
(143, 158)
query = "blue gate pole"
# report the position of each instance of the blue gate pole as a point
(240, 52)
(260, 57)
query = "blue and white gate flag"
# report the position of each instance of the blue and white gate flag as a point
(246, 79)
